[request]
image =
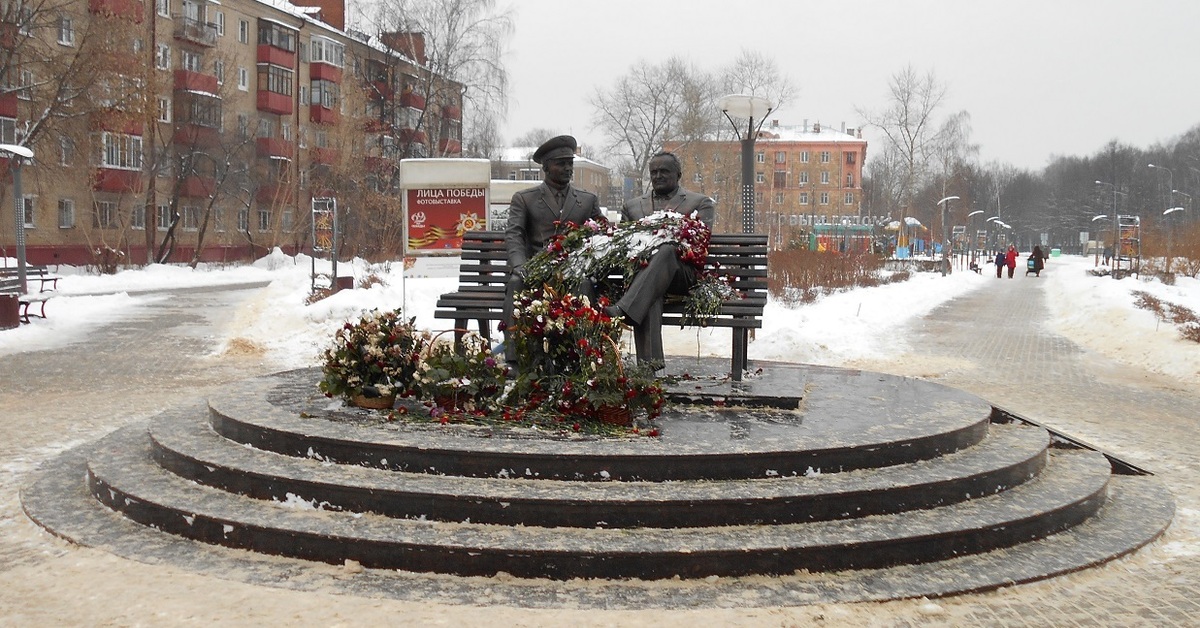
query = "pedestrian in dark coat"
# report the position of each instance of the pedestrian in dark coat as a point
(1039, 261)
(1001, 260)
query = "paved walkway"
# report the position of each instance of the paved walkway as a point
(990, 343)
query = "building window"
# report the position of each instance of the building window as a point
(698, 178)
(66, 151)
(325, 94)
(243, 219)
(244, 31)
(26, 87)
(191, 218)
(851, 158)
(163, 7)
(779, 198)
(164, 109)
(138, 218)
(66, 31)
(780, 157)
(303, 95)
(803, 176)
(104, 215)
(804, 198)
(189, 61)
(824, 198)
(276, 35)
(758, 198)
(219, 70)
(760, 177)
(323, 50)
(162, 217)
(274, 78)
(824, 156)
(121, 151)
(286, 222)
(850, 180)
(27, 208)
(780, 179)
(264, 219)
(825, 176)
(243, 79)
(849, 199)
(220, 17)
(803, 156)
(162, 58)
(243, 126)
(66, 213)
(218, 217)
(760, 157)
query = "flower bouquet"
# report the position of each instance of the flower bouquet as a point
(374, 358)
(570, 364)
(471, 381)
(598, 250)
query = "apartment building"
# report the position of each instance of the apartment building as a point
(804, 175)
(198, 130)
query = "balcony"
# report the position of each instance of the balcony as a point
(195, 31)
(196, 136)
(323, 115)
(452, 112)
(449, 147)
(195, 82)
(8, 105)
(412, 99)
(118, 180)
(197, 187)
(325, 156)
(381, 90)
(377, 126)
(116, 123)
(325, 72)
(274, 103)
(276, 56)
(126, 9)
(274, 194)
(412, 136)
(379, 165)
(274, 148)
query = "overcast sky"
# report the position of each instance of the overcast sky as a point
(1039, 78)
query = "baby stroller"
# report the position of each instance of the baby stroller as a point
(1031, 266)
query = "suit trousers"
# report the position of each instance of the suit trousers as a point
(643, 301)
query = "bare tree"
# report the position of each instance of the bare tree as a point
(637, 114)
(756, 74)
(910, 128)
(534, 137)
(457, 48)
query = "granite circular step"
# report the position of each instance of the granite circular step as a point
(184, 443)
(847, 420)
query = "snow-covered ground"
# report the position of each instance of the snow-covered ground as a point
(1095, 312)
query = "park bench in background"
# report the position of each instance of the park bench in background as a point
(483, 275)
(10, 283)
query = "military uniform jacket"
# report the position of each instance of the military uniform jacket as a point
(532, 214)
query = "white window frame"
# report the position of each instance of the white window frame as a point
(244, 31)
(220, 22)
(804, 198)
(27, 208)
(26, 87)
(109, 214)
(803, 156)
(760, 157)
(779, 198)
(243, 219)
(66, 151)
(191, 218)
(162, 57)
(137, 218)
(190, 61)
(824, 156)
(162, 217)
(163, 7)
(120, 151)
(849, 199)
(219, 70)
(824, 177)
(66, 213)
(760, 177)
(164, 109)
(803, 177)
(824, 198)
(326, 50)
(264, 219)
(66, 30)
(243, 79)
(218, 219)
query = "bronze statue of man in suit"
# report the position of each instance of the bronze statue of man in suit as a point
(537, 214)
(642, 304)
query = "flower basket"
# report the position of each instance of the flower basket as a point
(615, 415)
(384, 402)
(470, 379)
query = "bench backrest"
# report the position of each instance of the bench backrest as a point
(741, 257)
(30, 271)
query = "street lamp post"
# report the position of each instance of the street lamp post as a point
(1170, 184)
(18, 155)
(971, 236)
(1115, 215)
(746, 107)
(945, 205)
(1170, 235)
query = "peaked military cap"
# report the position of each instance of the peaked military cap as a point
(556, 148)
